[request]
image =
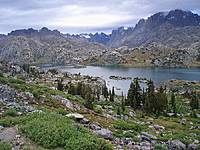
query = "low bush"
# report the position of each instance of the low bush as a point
(5, 146)
(54, 131)
(17, 81)
(62, 111)
(1, 74)
(3, 80)
(37, 93)
(98, 109)
(128, 134)
(10, 112)
(160, 147)
(123, 125)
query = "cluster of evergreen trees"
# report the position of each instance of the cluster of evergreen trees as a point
(86, 92)
(150, 101)
(154, 101)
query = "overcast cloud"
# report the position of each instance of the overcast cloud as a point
(78, 16)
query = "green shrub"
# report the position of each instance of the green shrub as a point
(123, 125)
(36, 93)
(118, 133)
(54, 131)
(12, 121)
(5, 146)
(86, 142)
(3, 80)
(130, 134)
(17, 81)
(10, 112)
(160, 147)
(1, 74)
(61, 111)
(21, 87)
(98, 109)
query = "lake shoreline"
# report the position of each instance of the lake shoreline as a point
(141, 66)
(157, 74)
(115, 66)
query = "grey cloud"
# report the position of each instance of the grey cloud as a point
(73, 16)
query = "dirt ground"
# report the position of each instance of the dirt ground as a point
(18, 142)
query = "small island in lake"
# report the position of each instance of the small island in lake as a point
(119, 78)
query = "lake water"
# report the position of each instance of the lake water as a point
(158, 75)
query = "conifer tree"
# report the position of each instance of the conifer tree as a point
(149, 101)
(110, 95)
(83, 88)
(98, 92)
(118, 111)
(72, 89)
(26, 67)
(137, 90)
(105, 92)
(160, 102)
(113, 94)
(194, 102)
(130, 96)
(88, 98)
(143, 97)
(173, 102)
(134, 96)
(60, 86)
(79, 88)
(123, 103)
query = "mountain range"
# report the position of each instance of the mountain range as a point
(164, 39)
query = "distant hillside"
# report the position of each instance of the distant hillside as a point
(176, 29)
(45, 46)
(163, 39)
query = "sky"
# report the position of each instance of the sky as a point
(83, 16)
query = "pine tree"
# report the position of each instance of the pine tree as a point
(83, 88)
(173, 102)
(194, 103)
(150, 98)
(88, 98)
(134, 96)
(26, 67)
(98, 92)
(123, 103)
(72, 89)
(113, 94)
(60, 86)
(110, 96)
(137, 90)
(143, 97)
(118, 111)
(130, 96)
(105, 91)
(79, 88)
(160, 102)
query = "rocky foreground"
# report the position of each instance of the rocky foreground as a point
(34, 104)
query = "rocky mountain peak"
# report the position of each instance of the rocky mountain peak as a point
(177, 18)
(23, 32)
(32, 32)
(183, 18)
(161, 27)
